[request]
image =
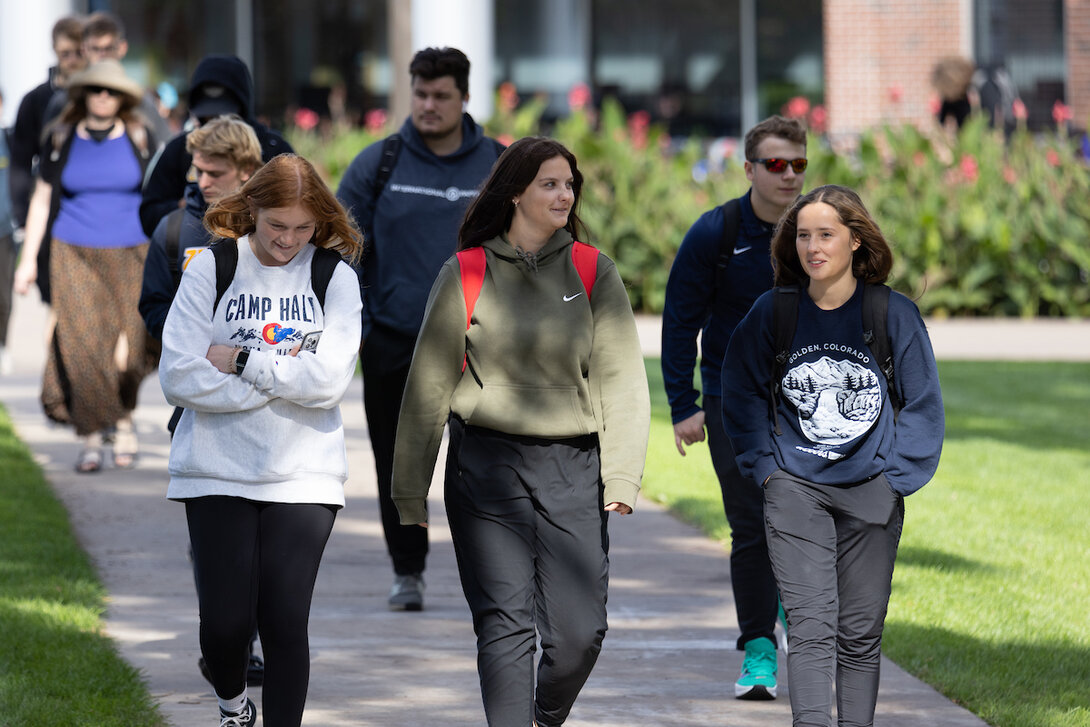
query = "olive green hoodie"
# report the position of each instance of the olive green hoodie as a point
(544, 360)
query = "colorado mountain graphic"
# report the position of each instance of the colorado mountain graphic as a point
(837, 401)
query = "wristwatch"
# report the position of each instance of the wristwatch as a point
(240, 361)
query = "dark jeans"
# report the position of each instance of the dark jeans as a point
(256, 562)
(833, 549)
(530, 536)
(385, 362)
(755, 596)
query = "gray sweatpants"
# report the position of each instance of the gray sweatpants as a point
(832, 550)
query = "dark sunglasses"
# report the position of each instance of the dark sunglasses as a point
(96, 90)
(779, 166)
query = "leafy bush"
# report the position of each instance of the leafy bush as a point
(980, 225)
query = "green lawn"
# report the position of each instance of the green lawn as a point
(991, 596)
(56, 665)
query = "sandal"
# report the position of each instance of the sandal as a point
(125, 446)
(90, 461)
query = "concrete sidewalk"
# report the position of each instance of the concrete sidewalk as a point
(668, 659)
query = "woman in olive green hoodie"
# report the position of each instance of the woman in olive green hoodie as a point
(547, 401)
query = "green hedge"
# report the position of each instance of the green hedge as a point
(980, 226)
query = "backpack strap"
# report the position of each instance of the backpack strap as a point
(226, 254)
(322, 265)
(785, 317)
(732, 220)
(876, 336)
(391, 150)
(585, 259)
(471, 262)
(173, 241)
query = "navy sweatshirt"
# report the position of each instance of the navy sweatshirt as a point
(694, 306)
(159, 288)
(413, 227)
(834, 410)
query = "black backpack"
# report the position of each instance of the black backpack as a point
(225, 251)
(785, 316)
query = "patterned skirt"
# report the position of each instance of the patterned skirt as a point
(99, 351)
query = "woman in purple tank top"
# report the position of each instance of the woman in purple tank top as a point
(88, 190)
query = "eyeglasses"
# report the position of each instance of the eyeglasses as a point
(101, 50)
(96, 90)
(66, 54)
(779, 166)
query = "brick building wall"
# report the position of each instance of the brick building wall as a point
(1077, 50)
(879, 55)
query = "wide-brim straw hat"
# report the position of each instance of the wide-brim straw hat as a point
(107, 73)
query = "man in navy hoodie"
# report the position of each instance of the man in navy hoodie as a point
(701, 301)
(221, 85)
(408, 194)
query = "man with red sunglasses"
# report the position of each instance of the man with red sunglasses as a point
(722, 267)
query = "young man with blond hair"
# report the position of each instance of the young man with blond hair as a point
(225, 153)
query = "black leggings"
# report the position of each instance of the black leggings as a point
(256, 563)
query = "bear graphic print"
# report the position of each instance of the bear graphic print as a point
(837, 401)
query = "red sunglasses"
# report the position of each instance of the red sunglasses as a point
(779, 166)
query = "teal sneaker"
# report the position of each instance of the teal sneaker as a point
(758, 679)
(781, 616)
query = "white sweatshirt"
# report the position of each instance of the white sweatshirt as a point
(273, 434)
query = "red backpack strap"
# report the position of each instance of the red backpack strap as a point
(585, 258)
(472, 264)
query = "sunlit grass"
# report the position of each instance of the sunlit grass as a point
(56, 665)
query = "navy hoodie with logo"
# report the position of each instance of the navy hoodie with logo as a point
(165, 183)
(694, 305)
(834, 410)
(412, 228)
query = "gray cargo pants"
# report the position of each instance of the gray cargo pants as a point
(832, 550)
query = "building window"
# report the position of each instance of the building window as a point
(1025, 38)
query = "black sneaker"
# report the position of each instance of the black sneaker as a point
(255, 671)
(246, 718)
(407, 593)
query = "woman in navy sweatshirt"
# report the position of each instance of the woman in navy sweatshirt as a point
(835, 478)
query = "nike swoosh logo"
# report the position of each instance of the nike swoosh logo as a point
(740, 250)
(571, 297)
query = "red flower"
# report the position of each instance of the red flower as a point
(919, 158)
(579, 97)
(509, 96)
(934, 104)
(896, 92)
(306, 119)
(796, 108)
(505, 139)
(1061, 113)
(818, 120)
(1018, 109)
(375, 120)
(1009, 175)
(969, 168)
(638, 124)
(1052, 157)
